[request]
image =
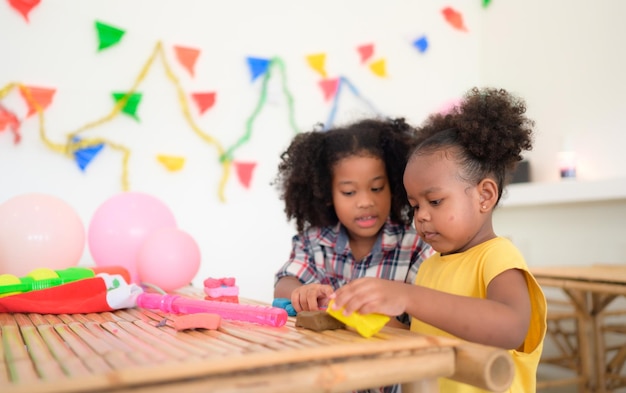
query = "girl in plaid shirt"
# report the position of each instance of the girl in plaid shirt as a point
(343, 187)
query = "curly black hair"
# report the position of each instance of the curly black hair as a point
(305, 171)
(490, 128)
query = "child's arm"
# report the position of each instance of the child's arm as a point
(500, 320)
(308, 297)
(285, 286)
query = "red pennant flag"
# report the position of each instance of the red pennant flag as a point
(454, 18)
(244, 172)
(204, 101)
(36, 96)
(329, 87)
(187, 57)
(24, 6)
(8, 119)
(366, 51)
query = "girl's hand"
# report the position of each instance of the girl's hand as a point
(311, 297)
(373, 295)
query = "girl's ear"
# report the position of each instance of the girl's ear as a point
(488, 191)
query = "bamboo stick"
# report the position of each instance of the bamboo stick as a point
(484, 367)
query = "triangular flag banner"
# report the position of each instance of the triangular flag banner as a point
(244, 172)
(108, 35)
(257, 66)
(171, 163)
(454, 18)
(85, 155)
(24, 6)
(329, 87)
(318, 63)
(486, 3)
(379, 68)
(366, 51)
(449, 106)
(187, 57)
(8, 119)
(204, 101)
(130, 108)
(38, 97)
(421, 44)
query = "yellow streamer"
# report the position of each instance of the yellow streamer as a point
(71, 145)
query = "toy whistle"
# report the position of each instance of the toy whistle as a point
(264, 315)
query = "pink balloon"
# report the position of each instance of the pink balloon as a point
(120, 226)
(39, 230)
(169, 259)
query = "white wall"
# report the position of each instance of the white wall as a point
(247, 235)
(565, 57)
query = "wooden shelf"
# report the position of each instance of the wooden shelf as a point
(562, 192)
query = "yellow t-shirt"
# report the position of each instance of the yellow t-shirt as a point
(468, 274)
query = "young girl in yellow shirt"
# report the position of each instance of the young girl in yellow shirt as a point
(476, 286)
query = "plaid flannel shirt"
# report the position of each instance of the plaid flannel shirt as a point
(322, 255)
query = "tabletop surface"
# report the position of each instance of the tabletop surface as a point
(610, 274)
(132, 347)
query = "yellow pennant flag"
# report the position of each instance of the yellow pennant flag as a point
(318, 63)
(379, 68)
(172, 163)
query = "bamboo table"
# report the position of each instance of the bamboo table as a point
(591, 289)
(133, 350)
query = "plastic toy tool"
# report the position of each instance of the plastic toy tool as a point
(365, 324)
(44, 278)
(263, 315)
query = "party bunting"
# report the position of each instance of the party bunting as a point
(421, 44)
(329, 87)
(318, 63)
(131, 104)
(454, 18)
(449, 106)
(366, 51)
(83, 156)
(24, 6)
(257, 66)
(171, 163)
(9, 120)
(187, 57)
(343, 81)
(276, 62)
(108, 35)
(379, 68)
(204, 101)
(40, 98)
(486, 3)
(244, 172)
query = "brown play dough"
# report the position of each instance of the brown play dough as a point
(318, 321)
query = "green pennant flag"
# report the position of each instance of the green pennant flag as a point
(108, 35)
(130, 107)
(486, 3)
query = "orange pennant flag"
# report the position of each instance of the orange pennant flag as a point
(379, 68)
(454, 18)
(187, 57)
(318, 63)
(9, 120)
(36, 97)
(329, 87)
(244, 172)
(24, 6)
(366, 51)
(204, 101)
